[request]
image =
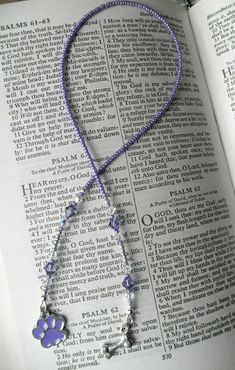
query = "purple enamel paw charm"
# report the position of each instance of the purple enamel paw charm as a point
(50, 331)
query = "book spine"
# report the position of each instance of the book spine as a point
(185, 3)
(188, 4)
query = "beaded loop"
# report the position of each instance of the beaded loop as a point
(74, 208)
(150, 123)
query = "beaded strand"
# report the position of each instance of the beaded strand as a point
(113, 220)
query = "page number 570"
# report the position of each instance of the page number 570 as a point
(167, 356)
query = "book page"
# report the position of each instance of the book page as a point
(176, 209)
(10, 352)
(213, 26)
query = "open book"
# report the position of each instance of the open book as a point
(173, 189)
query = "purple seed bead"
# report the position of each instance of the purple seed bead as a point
(128, 283)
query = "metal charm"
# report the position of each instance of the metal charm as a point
(50, 328)
(108, 348)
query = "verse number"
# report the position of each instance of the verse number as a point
(167, 356)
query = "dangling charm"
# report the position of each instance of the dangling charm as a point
(108, 348)
(50, 329)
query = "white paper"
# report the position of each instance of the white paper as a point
(152, 239)
(213, 26)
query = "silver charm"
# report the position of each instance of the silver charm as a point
(108, 348)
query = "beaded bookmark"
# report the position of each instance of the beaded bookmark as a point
(50, 328)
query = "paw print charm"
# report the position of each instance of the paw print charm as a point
(50, 330)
